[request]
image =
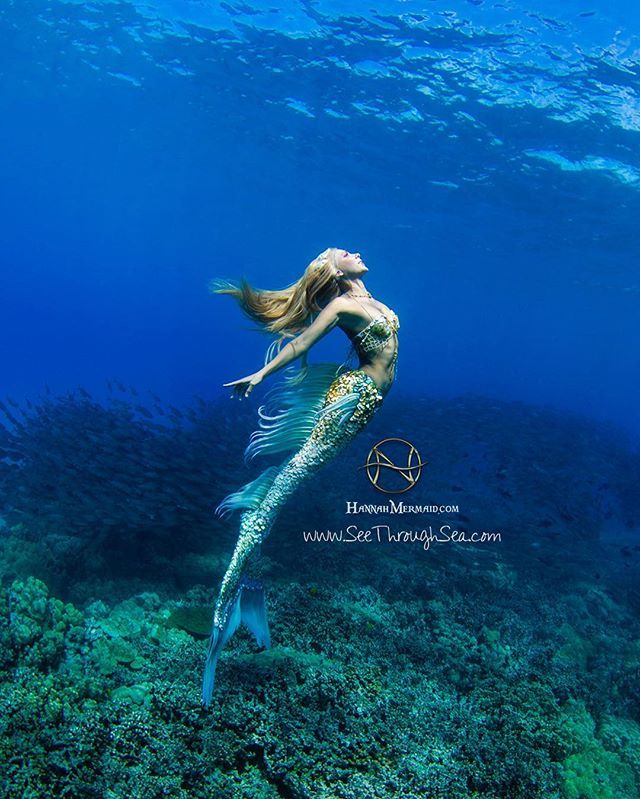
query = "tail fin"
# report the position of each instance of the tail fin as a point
(290, 412)
(249, 496)
(248, 608)
(253, 612)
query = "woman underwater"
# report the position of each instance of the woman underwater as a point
(317, 412)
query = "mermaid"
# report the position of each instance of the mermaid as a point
(315, 411)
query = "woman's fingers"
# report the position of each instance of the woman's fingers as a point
(242, 387)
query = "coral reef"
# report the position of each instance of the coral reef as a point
(363, 695)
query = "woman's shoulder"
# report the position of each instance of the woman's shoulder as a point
(344, 305)
(338, 308)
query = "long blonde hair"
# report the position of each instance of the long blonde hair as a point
(289, 310)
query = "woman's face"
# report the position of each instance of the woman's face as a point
(350, 263)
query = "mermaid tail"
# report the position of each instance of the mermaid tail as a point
(318, 416)
(248, 608)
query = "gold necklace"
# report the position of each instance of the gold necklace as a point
(368, 294)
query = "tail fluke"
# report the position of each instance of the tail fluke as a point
(248, 608)
(253, 612)
(219, 637)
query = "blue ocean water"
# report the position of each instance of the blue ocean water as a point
(483, 152)
(483, 158)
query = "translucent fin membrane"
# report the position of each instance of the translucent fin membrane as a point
(292, 375)
(249, 608)
(274, 349)
(346, 405)
(296, 405)
(250, 495)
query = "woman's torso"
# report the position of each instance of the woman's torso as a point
(373, 328)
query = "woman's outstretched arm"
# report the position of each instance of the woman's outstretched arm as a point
(326, 320)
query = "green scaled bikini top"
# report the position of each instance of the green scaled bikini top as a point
(376, 334)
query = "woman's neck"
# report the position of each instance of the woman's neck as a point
(356, 289)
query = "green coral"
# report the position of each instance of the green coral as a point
(107, 654)
(194, 620)
(133, 694)
(576, 650)
(596, 773)
(622, 736)
(578, 726)
(599, 767)
(42, 631)
(292, 658)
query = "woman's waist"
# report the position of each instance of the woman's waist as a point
(382, 377)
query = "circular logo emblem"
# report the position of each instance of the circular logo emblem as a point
(393, 465)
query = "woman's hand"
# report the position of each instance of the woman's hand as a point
(245, 385)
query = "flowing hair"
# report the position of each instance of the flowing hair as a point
(286, 312)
